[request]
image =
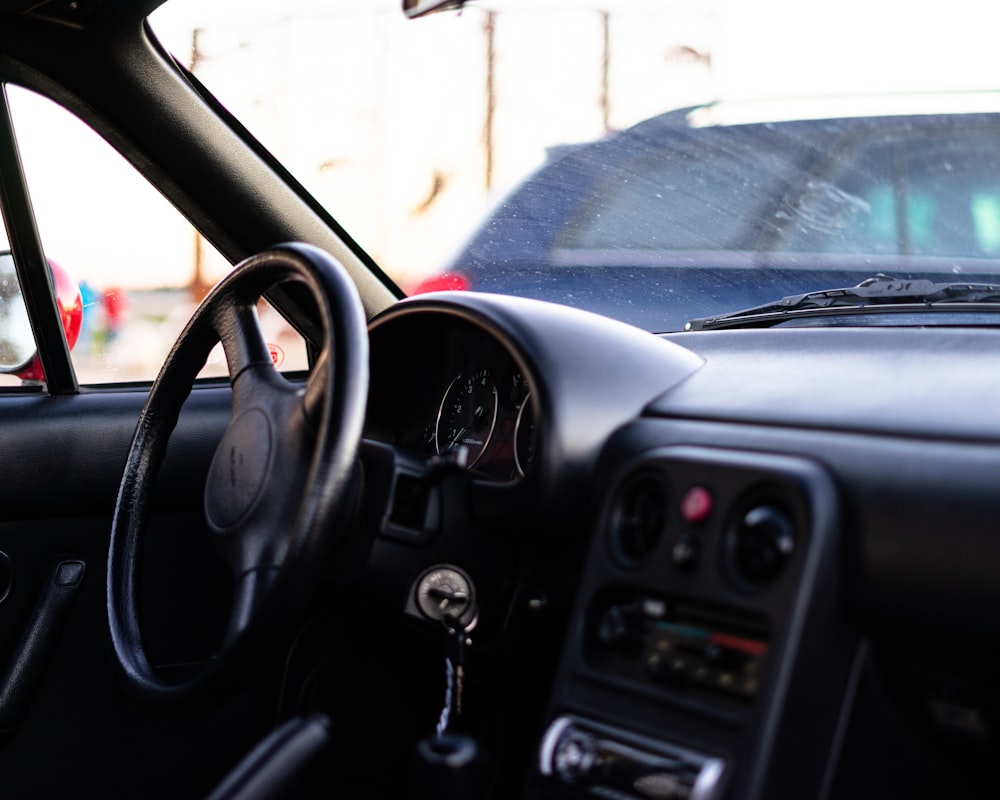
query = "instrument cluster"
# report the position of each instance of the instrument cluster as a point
(451, 390)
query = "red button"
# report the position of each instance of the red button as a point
(697, 505)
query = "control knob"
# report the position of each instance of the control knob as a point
(763, 542)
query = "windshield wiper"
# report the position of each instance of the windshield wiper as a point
(881, 294)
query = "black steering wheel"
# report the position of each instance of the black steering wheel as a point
(280, 487)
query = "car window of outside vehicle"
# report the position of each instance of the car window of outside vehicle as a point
(852, 206)
(682, 198)
(920, 196)
(140, 265)
(954, 184)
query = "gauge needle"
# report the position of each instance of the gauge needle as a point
(457, 436)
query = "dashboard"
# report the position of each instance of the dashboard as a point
(774, 550)
(500, 390)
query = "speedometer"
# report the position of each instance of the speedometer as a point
(467, 414)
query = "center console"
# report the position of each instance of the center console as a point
(707, 617)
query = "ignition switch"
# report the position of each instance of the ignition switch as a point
(446, 591)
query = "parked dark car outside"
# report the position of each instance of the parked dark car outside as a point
(743, 214)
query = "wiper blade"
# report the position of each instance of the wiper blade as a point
(881, 294)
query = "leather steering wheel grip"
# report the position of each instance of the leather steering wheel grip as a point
(282, 484)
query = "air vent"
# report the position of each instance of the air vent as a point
(638, 519)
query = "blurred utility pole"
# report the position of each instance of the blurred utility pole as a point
(490, 28)
(199, 286)
(606, 71)
(195, 52)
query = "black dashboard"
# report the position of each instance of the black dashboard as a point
(782, 543)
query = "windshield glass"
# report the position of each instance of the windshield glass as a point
(653, 161)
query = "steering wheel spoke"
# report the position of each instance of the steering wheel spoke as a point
(238, 327)
(248, 596)
(279, 489)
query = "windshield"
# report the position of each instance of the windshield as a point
(652, 161)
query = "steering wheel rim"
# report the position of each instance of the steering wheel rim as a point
(289, 453)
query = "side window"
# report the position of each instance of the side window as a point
(680, 198)
(849, 208)
(141, 267)
(927, 196)
(953, 196)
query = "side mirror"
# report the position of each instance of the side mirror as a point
(418, 8)
(17, 345)
(18, 355)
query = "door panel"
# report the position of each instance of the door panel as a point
(62, 459)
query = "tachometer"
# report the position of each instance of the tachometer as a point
(467, 415)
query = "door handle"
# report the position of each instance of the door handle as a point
(34, 650)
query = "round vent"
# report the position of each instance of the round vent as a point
(638, 519)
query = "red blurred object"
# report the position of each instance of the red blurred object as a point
(114, 308)
(70, 303)
(443, 282)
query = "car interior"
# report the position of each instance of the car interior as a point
(485, 546)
